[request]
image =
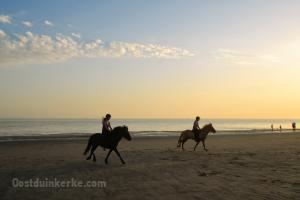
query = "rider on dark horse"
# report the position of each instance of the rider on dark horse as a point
(196, 128)
(106, 127)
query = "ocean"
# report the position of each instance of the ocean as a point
(139, 127)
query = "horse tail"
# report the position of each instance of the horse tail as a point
(180, 140)
(88, 147)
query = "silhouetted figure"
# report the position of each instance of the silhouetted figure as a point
(272, 127)
(188, 134)
(106, 127)
(294, 126)
(196, 129)
(280, 128)
(109, 141)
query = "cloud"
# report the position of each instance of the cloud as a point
(48, 23)
(27, 23)
(29, 48)
(234, 57)
(271, 58)
(5, 19)
(237, 57)
(77, 35)
(2, 33)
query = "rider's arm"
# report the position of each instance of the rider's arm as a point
(109, 126)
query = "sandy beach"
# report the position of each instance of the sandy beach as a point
(265, 166)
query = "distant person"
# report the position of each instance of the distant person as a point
(280, 128)
(294, 126)
(196, 128)
(106, 127)
(272, 127)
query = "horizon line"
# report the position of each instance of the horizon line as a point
(137, 118)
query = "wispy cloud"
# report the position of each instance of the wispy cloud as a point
(77, 35)
(2, 33)
(27, 23)
(29, 48)
(48, 23)
(237, 57)
(5, 19)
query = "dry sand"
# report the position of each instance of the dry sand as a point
(235, 167)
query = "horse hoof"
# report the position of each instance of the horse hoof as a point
(94, 160)
(106, 162)
(206, 150)
(123, 163)
(88, 158)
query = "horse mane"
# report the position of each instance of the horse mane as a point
(206, 125)
(118, 128)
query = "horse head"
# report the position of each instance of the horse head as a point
(126, 133)
(209, 127)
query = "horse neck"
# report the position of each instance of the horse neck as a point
(118, 136)
(205, 131)
(116, 133)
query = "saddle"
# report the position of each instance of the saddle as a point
(197, 133)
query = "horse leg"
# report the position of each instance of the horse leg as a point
(183, 144)
(89, 157)
(94, 157)
(179, 143)
(180, 140)
(196, 146)
(92, 153)
(108, 155)
(203, 143)
(117, 152)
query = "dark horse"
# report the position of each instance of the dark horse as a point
(108, 141)
(188, 134)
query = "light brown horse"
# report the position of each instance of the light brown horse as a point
(188, 134)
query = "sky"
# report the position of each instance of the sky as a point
(149, 59)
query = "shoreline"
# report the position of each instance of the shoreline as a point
(137, 135)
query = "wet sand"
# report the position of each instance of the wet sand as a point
(263, 166)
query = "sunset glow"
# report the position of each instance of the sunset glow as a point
(150, 60)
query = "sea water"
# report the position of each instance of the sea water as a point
(35, 127)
